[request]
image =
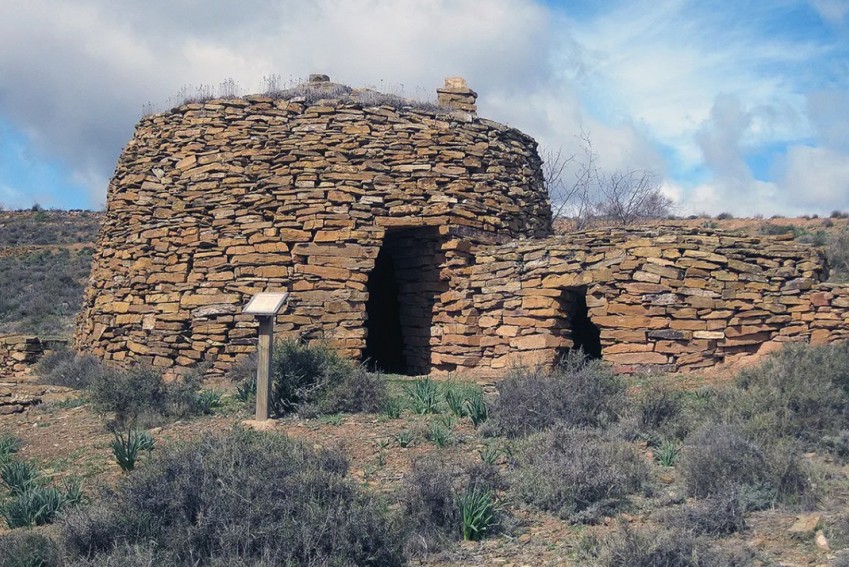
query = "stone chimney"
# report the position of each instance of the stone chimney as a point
(457, 95)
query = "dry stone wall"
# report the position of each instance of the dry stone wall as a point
(656, 300)
(19, 352)
(414, 237)
(213, 202)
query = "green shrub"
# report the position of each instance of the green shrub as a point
(35, 506)
(439, 434)
(240, 498)
(301, 373)
(477, 409)
(405, 438)
(456, 398)
(576, 392)
(126, 447)
(392, 408)
(667, 453)
(578, 474)
(9, 444)
(478, 512)
(26, 548)
(19, 476)
(424, 396)
(207, 400)
(312, 380)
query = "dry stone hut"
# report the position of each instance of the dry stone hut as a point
(415, 236)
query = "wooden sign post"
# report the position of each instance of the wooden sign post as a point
(264, 306)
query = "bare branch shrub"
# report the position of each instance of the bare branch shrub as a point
(576, 392)
(597, 197)
(581, 475)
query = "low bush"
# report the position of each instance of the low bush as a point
(658, 405)
(721, 514)
(800, 391)
(240, 498)
(579, 474)
(356, 391)
(837, 253)
(629, 547)
(26, 548)
(442, 502)
(64, 367)
(576, 392)
(312, 380)
(139, 396)
(719, 458)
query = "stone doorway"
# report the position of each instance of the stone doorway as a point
(402, 290)
(578, 326)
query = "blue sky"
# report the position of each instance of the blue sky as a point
(736, 107)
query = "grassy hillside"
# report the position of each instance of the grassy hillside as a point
(45, 260)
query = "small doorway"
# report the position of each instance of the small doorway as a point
(402, 290)
(384, 339)
(578, 326)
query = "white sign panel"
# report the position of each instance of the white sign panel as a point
(265, 303)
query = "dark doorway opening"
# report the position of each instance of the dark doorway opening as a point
(402, 290)
(384, 338)
(585, 334)
(578, 326)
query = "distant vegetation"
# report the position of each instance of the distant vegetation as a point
(45, 260)
(42, 227)
(42, 291)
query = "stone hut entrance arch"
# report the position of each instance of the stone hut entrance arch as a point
(403, 290)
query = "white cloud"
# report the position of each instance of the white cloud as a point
(832, 11)
(76, 75)
(817, 178)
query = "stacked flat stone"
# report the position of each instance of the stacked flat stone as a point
(18, 352)
(456, 94)
(216, 201)
(663, 300)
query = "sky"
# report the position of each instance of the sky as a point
(739, 107)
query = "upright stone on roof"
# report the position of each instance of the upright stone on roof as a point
(456, 94)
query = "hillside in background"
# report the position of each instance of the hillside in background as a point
(45, 260)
